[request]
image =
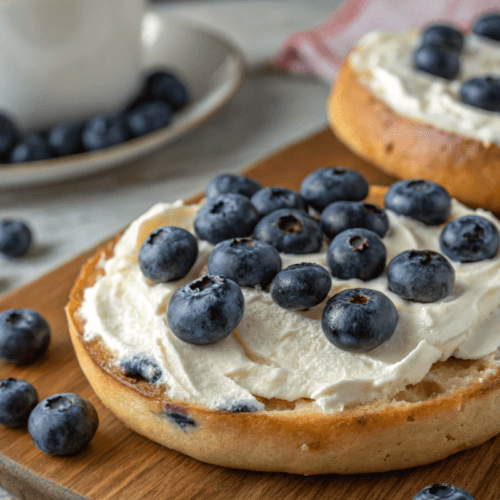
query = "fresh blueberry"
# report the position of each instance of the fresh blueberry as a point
(245, 261)
(9, 136)
(229, 183)
(469, 239)
(445, 35)
(420, 275)
(225, 216)
(32, 148)
(482, 92)
(301, 286)
(419, 199)
(167, 87)
(290, 231)
(342, 215)
(62, 424)
(488, 26)
(437, 60)
(103, 131)
(65, 139)
(359, 319)
(141, 366)
(356, 254)
(326, 185)
(148, 117)
(24, 335)
(17, 399)
(268, 199)
(238, 407)
(15, 238)
(443, 491)
(168, 254)
(205, 310)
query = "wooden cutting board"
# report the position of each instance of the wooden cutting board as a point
(119, 464)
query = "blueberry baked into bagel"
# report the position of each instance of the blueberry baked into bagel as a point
(313, 332)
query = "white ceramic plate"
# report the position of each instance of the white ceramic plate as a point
(212, 69)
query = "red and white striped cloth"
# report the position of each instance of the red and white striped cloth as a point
(321, 49)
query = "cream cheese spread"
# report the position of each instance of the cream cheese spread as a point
(384, 63)
(276, 353)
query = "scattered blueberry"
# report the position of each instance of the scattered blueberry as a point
(445, 35)
(141, 366)
(290, 231)
(488, 26)
(15, 238)
(482, 92)
(103, 131)
(148, 117)
(437, 60)
(225, 216)
(229, 183)
(205, 310)
(245, 261)
(420, 275)
(301, 286)
(62, 424)
(168, 254)
(469, 239)
(24, 335)
(17, 399)
(268, 199)
(326, 185)
(443, 491)
(9, 136)
(238, 407)
(356, 253)
(167, 87)
(184, 422)
(419, 199)
(65, 138)
(359, 319)
(31, 148)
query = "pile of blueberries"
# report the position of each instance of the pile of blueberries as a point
(162, 95)
(439, 54)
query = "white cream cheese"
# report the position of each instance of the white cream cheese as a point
(384, 63)
(277, 353)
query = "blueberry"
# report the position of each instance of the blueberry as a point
(437, 60)
(62, 424)
(65, 138)
(442, 34)
(167, 87)
(238, 407)
(469, 239)
(9, 136)
(488, 26)
(482, 92)
(229, 183)
(419, 199)
(326, 185)
(32, 148)
(268, 199)
(148, 117)
(141, 366)
(443, 491)
(290, 231)
(342, 215)
(182, 421)
(15, 237)
(420, 275)
(168, 254)
(359, 319)
(24, 335)
(356, 253)
(225, 216)
(205, 310)
(245, 261)
(17, 399)
(103, 131)
(301, 286)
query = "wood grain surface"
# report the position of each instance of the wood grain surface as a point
(119, 464)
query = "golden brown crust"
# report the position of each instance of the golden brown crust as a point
(374, 437)
(407, 148)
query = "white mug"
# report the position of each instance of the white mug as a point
(68, 59)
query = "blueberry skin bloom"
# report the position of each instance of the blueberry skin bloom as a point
(342, 215)
(421, 276)
(419, 199)
(443, 491)
(32, 148)
(356, 254)
(168, 254)
(290, 231)
(103, 131)
(9, 136)
(24, 335)
(442, 34)
(245, 261)
(359, 319)
(167, 87)
(437, 60)
(15, 238)
(148, 117)
(301, 286)
(225, 216)
(229, 183)
(488, 26)
(469, 239)
(206, 310)
(17, 400)
(65, 139)
(326, 185)
(482, 92)
(269, 199)
(62, 424)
